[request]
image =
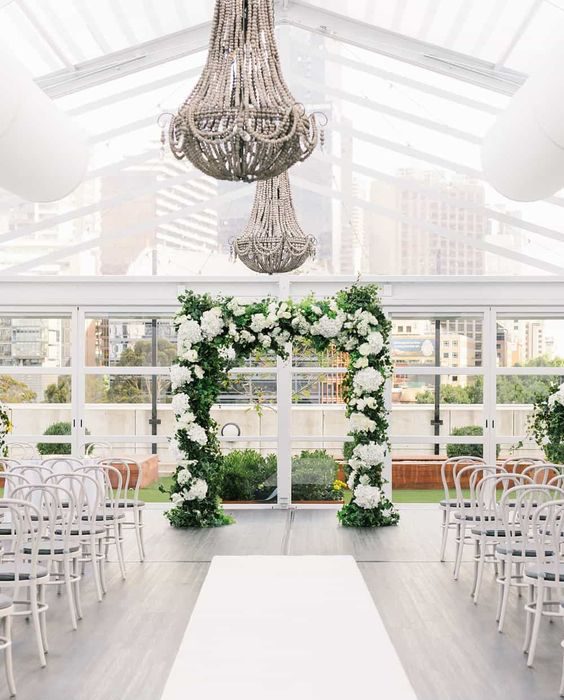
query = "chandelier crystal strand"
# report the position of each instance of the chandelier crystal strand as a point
(273, 240)
(241, 122)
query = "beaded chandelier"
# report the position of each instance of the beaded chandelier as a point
(241, 122)
(273, 240)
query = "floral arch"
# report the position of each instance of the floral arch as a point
(215, 333)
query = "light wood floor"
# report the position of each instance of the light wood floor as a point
(451, 650)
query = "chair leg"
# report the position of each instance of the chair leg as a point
(102, 568)
(43, 619)
(529, 616)
(70, 592)
(76, 585)
(536, 625)
(562, 678)
(138, 526)
(119, 549)
(461, 533)
(8, 660)
(481, 564)
(506, 590)
(445, 524)
(141, 528)
(476, 558)
(500, 589)
(37, 624)
(96, 568)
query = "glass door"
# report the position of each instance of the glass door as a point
(440, 396)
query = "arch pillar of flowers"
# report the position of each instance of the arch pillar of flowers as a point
(215, 334)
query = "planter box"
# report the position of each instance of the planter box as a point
(150, 469)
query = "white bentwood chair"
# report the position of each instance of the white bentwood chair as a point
(450, 503)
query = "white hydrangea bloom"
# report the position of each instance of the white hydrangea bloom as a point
(258, 322)
(247, 337)
(359, 423)
(212, 323)
(316, 310)
(198, 372)
(190, 355)
(373, 345)
(189, 333)
(176, 499)
(367, 380)
(227, 353)
(264, 340)
(361, 363)
(197, 491)
(183, 476)
(179, 375)
(350, 480)
(557, 397)
(185, 420)
(328, 327)
(177, 452)
(283, 311)
(370, 454)
(367, 496)
(235, 308)
(301, 324)
(197, 434)
(180, 403)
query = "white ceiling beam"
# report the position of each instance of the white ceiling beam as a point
(363, 101)
(121, 63)
(303, 16)
(489, 25)
(428, 18)
(433, 228)
(404, 48)
(458, 24)
(83, 8)
(136, 229)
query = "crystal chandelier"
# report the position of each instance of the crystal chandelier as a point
(273, 240)
(241, 122)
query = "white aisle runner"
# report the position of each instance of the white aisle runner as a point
(298, 628)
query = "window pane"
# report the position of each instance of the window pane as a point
(142, 341)
(459, 412)
(414, 341)
(249, 474)
(530, 342)
(318, 388)
(34, 341)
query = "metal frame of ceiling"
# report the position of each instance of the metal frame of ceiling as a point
(302, 15)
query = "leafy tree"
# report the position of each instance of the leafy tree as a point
(14, 391)
(136, 389)
(59, 392)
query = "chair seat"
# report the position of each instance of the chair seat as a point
(473, 518)
(127, 503)
(108, 517)
(517, 552)
(46, 551)
(488, 532)
(7, 572)
(83, 531)
(467, 503)
(547, 574)
(5, 602)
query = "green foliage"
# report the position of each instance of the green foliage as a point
(12, 390)
(56, 448)
(546, 425)
(467, 450)
(313, 475)
(59, 392)
(205, 461)
(244, 475)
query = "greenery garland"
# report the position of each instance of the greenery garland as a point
(546, 423)
(216, 334)
(5, 428)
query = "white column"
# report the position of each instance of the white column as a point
(284, 394)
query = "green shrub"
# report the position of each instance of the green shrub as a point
(468, 450)
(56, 448)
(313, 475)
(245, 475)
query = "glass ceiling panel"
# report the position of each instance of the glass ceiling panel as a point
(396, 191)
(47, 35)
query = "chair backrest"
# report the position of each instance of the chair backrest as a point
(490, 491)
(98, 449)
(518, 464)
(450, 467)
(7, 462)
(518, 506)
(110, 482)
(57, 508)
(542, 473)
(548, 539)
(86, 490)
(131, 471)
(62, 464)
(471, 473)
(11, 480)
(22, 450)
(27, 531)
(34, 473)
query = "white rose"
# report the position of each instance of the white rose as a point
(361, 362)
(199, 372)
(190, 355)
